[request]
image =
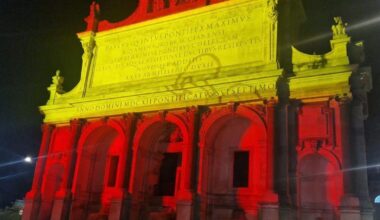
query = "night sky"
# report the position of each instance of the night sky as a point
(39, 37)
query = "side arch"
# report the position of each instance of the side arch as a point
(319, 183)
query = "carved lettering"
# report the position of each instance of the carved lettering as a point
(167, 48)
(176, 98)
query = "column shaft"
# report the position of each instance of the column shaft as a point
(76, 127)
(42, 156)
(120, 207)
(282, 153)
(32, 198)
(358, 152)
(271, 196)
(187, 177)
(292, 152)
(343, 124)
(185, 205)
(63, 197)
(349, 204)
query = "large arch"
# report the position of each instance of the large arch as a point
(101, 147)
(226, 137)
(159, 157)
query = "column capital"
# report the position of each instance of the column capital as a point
(33, 194)
(77, 122)
(129, 120)
(193, 109)
(185, 195)
(283, 91)
(270, 102)
(190, 114)
(342, 100)
(63, 193)
(130, 116)
(46, 127)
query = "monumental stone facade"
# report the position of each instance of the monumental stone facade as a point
(204, 110)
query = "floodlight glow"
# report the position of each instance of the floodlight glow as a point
(377, 199)
(28, 159)
(353, 27)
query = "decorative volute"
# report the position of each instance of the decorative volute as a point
(326, 76)
(338, 55)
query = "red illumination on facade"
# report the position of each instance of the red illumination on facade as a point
(179, 163)
(146, 10)
(100, 163)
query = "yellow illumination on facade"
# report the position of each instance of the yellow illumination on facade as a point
(216, 54)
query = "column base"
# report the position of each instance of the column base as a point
(270, 197)
(350, 214)
(32, 206)
(251, 215)
(184, 210)
(287, 213)
(368, 214)
(135, 208)
(349, 208)
(119, 209)
(61, 206)
(269, 212)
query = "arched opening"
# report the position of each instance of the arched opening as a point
(319, 187)
(157, 171)
(232, 161)
(51, 184)
(96, 170)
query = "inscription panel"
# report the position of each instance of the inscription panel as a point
(237, 92)
(234, 34)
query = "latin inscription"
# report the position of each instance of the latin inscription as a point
(179, 46)
(207, 94)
